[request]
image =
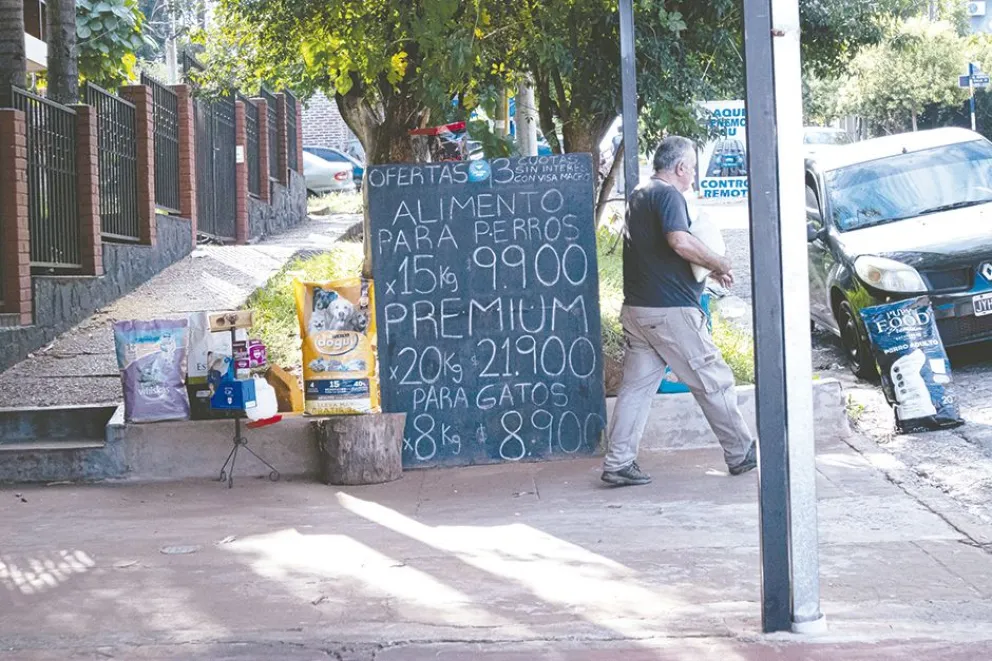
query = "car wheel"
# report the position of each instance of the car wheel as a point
(859, 355)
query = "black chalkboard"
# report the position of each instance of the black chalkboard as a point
(487, 303)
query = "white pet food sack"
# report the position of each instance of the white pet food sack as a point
(152, 358)
(337, 326)
(916, 375)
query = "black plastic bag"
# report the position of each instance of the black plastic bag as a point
(916, 375)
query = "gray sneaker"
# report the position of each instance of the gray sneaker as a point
(627, 477)
(749, 463)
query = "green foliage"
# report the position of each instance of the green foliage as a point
(274, 307)
(109, 33)
(916, 66)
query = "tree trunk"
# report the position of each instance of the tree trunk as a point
(385, 137)
(361, 449)
(63, 65)
(608, 184)
(13, 62)
(914, 118)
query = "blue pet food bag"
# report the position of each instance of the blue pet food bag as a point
(152, 358)
(916, 375)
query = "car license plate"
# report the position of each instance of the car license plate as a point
(983, 304)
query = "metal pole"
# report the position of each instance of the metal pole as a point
(786, 472)
(971, 89)
(628, 75)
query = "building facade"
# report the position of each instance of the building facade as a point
(323, 125)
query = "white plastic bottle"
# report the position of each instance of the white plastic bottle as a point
(267, 406)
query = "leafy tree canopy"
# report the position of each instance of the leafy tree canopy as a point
(109, 33)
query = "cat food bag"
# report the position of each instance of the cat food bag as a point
(916, 375)
(337, 325)
(152, 358)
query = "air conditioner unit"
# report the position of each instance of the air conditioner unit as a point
(976, 9)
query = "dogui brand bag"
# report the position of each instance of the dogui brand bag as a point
(152, 358)
(916, 375)
(337, 325)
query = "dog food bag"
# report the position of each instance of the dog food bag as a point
(152, 358)
(337, 325)
(916, 375)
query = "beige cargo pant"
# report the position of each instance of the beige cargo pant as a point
(676, 338)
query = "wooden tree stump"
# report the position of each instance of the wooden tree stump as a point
(361, 449)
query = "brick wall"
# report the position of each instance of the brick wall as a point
(88, 190)
(322, 124)
(240, 175)
(187, 157)
(281, 129)
(15, 241)
(144, 119)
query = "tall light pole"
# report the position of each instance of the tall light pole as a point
(628, 76)
(783, 365)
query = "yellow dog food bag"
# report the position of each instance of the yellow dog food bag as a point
(337, 325)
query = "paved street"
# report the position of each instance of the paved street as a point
(507, 562)
(957, 462)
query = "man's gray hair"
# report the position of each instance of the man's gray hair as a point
(672, 151)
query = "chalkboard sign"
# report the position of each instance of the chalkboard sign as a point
(487, 303)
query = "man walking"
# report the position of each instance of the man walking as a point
(664, 322)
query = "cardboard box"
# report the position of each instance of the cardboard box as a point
(225, 321)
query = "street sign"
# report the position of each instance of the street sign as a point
(979, 80)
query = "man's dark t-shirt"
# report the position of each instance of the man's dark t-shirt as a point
(654, 276)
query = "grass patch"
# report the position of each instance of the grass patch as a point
(335, 203)
(275, 308)
(735, 344)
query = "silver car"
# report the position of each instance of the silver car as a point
(325, 176)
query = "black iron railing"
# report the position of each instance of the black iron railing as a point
(52, 212)
(273, 121)
(191, 66)
(117, 155)
(216, 180)
(165, 109)
(252, 152)
(290, 129)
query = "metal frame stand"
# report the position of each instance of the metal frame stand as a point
(227, 474)
(239, 442)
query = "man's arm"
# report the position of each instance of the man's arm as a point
(695, 251)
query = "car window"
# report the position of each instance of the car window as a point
(827, 138)
(326, 154)
(908, 185)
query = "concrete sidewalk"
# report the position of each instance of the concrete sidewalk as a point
(511, 562)
(80, 367)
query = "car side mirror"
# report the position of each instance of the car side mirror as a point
(814, 232)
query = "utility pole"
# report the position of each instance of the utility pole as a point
(790, 590)
(628, 75)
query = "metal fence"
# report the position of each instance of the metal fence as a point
(290, 129)
(52, 209)
(118, 158)
(252, 147)
(216, 178)
(273, 131)
(165, 108)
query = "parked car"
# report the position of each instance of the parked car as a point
(326, 177)
(899, 217)
(821, 139)
(334, 155)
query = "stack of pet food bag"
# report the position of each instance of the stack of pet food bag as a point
(174, 369)
(337, 326)
(196, 368)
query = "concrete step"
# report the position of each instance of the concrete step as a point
(50, 446)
